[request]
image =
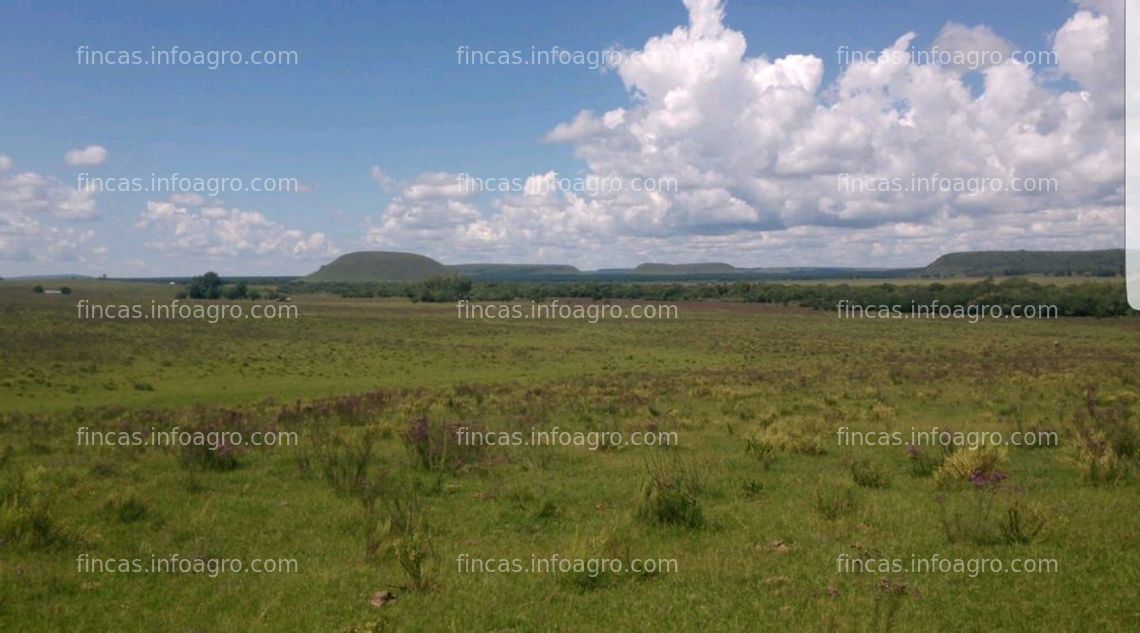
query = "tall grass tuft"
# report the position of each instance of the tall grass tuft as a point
(670, 493)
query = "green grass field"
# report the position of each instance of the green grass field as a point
(755, 504)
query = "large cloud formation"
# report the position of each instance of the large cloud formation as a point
(758, 149)
(191, 227)
(41, 218)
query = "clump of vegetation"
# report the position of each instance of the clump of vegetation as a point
(404, 536)
(127, 507)
(752, 488)
(440, 288)
(1021, 522)
(217, 456)
(207, 286)
(832, 503)
(345, 461)
(602, 560)
(27, 513)
(437, 446)
(670, 494)
(795, 434)
(869, 473)
(537, 509)
(760, 449)
(1107, 439)
(979, 467)
(991, 517)
(925, 461)
(1098, 461)
(889, 596)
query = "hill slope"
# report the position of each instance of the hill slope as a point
(998, 263)
(379, 266)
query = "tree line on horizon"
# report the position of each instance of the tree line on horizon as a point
(1090, 299)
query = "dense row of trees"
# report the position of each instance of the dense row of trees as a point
(436, 289)
(1091, 298)
(211, 286)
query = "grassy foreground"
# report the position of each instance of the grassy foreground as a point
(757, 504)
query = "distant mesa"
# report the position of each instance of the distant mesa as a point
(393, 266)
(707, 268)
(1103, 263)
(379, 266)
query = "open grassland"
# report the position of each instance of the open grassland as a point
(755, 502)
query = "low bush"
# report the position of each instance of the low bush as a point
(669, 495)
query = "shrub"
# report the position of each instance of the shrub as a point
(869, 473)
(761, 450)
(344, 460)
(925, 461)
(404, 536)
(1098, 461)
(1112, 418)
(977, 466)
(435, 446)
(669, 495)
(1107, 438)
(1022, 522)
(220, 456)
(990, 517)
(795, 435)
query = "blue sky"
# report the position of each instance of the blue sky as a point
(378, 85)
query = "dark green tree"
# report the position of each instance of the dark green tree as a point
(208, 286)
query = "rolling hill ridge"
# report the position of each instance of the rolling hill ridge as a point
(385, 266)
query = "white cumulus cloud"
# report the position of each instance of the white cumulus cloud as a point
(221, 232)
(90, 155)
(758, 148)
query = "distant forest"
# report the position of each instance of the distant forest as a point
(1090, 298)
